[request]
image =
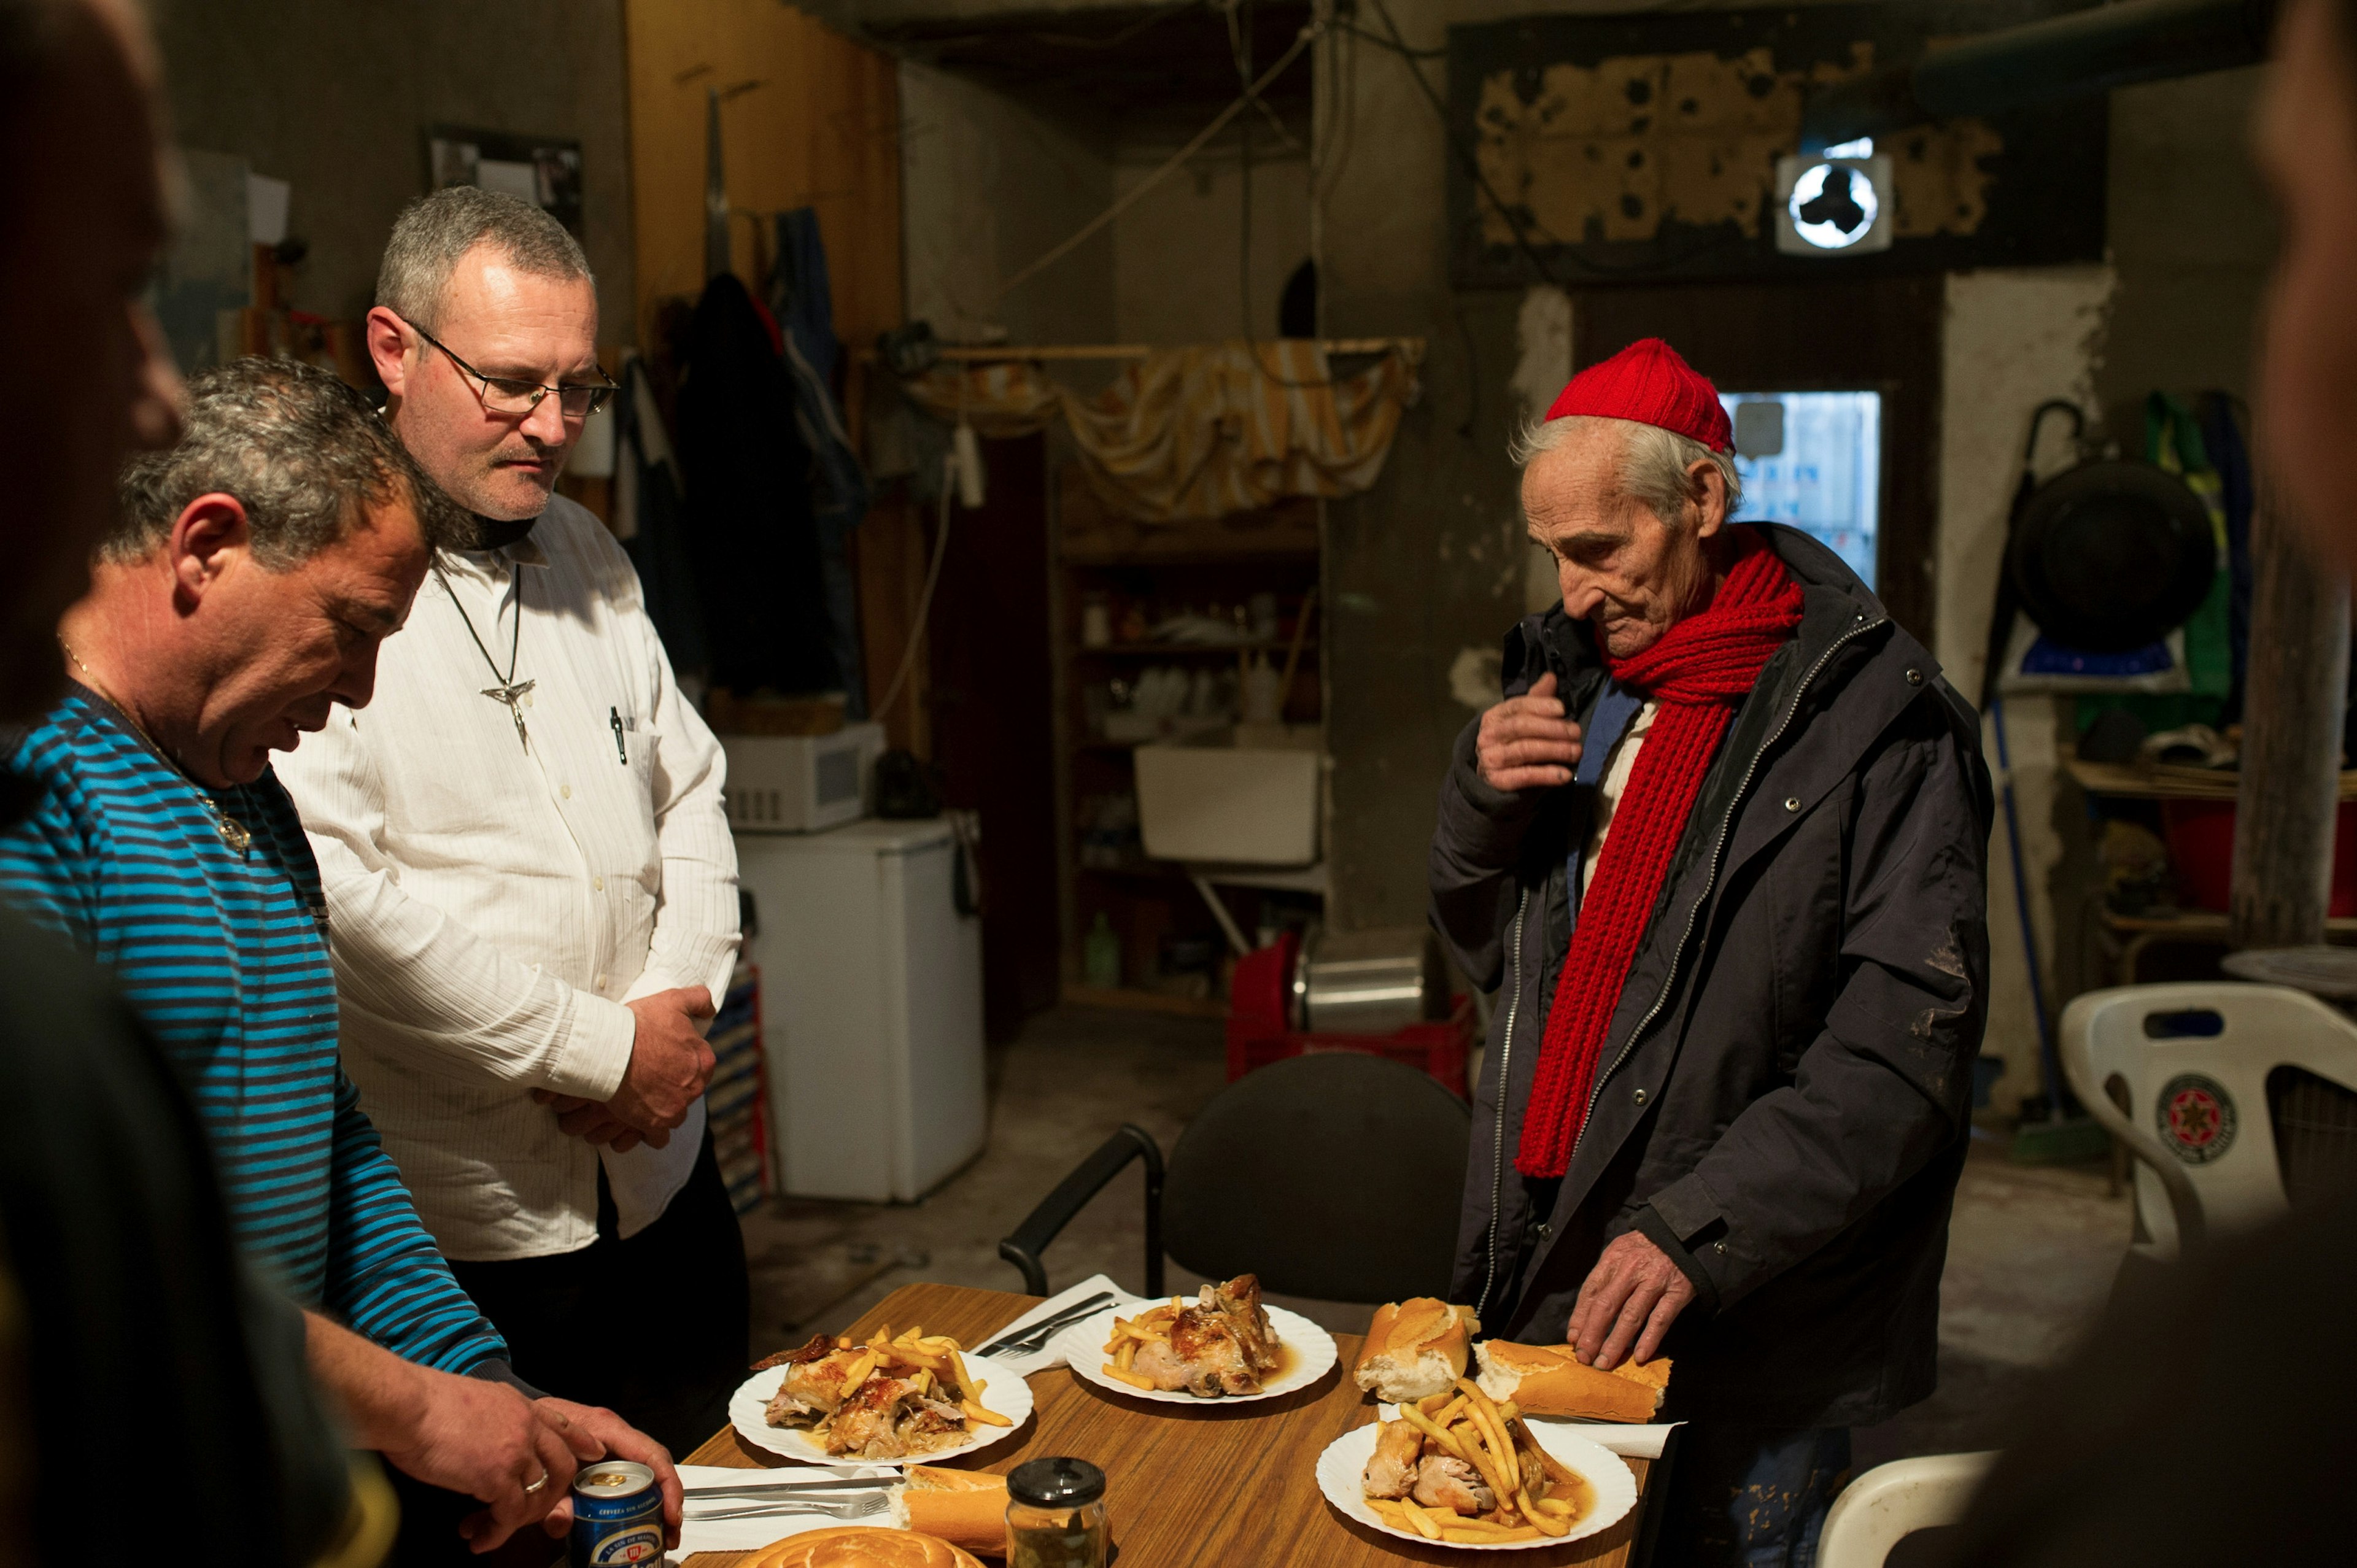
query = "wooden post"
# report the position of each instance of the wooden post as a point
(2294, 699)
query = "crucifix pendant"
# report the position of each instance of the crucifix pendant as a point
(512, 695)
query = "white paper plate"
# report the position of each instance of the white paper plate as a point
(1309, 1348)
(1340, 1467)
(1003, 1391)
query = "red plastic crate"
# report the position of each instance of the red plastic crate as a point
(1439, 1049)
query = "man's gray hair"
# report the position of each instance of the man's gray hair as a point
(1655, 464)
(303, 452)
(434, 232)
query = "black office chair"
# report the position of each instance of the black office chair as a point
(1336, 1177)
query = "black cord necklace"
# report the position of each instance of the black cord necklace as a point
(510, 689)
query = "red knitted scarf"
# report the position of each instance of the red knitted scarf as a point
(1699, 672)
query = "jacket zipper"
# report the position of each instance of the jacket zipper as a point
(1677, 957)
(1505, 1062)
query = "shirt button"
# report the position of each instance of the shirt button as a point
(1791, 803)
(601, 982)
(565, 791)
(598, 884)
(527, 699)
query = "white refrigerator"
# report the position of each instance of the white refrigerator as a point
(871, 1004)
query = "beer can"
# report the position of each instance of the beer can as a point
(617, 1515)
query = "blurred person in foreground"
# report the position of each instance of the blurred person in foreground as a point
(529, 869)
(254, 569)
(130, 1308)
(2208, 1418)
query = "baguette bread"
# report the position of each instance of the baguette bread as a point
(1416, 1348)
(1549, 1381)
(964, 1508)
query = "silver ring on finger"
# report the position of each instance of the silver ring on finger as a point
(531, 1486)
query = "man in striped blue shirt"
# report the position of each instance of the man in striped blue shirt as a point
(256, 568)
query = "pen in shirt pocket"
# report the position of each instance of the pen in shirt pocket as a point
(621, 752)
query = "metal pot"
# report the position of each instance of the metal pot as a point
(1369, 982)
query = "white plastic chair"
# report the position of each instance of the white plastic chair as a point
(2194, 1062)
(1897, 1499)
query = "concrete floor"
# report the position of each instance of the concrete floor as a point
(2031, 1253)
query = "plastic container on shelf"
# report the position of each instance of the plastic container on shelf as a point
(1209, 799)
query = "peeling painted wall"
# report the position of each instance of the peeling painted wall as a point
(2014, 338)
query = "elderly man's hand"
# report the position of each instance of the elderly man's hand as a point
(620, 1440)
(1631, 1297)
(1525, 742)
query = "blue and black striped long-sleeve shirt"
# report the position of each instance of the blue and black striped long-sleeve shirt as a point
(223, 953)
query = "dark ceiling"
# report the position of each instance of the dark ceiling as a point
(1146, 73)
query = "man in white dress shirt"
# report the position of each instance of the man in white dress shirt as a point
(531, 882)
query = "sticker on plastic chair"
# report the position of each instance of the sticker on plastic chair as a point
(2196, 1118)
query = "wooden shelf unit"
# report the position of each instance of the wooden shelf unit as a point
(1169, 567)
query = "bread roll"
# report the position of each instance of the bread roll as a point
(964, 1508)
(1548, 1380)
(857, 1546)
(1416, 1348)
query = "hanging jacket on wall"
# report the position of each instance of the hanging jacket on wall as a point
(803, 307)
(647, 520)
(751, 537)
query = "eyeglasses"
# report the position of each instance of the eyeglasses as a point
(505, 394)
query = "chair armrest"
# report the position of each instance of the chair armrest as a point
(1894, 1500)
(1046, 1222)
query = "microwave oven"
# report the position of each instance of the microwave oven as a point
(801, 783)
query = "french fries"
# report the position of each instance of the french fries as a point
(934, 1364)
(1534, 1495)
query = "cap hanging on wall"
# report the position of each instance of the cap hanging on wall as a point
(1648, 382)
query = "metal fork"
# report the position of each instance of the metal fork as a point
(850, 1508)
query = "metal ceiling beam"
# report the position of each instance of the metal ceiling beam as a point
(2065, 56)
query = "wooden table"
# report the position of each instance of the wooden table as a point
(1233, 1487)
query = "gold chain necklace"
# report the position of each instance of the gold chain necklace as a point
(234, 833)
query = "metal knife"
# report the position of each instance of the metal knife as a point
(1046, 1326)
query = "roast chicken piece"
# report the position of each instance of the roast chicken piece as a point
(1222, 1345)
(867, 1425)
(816, 1376)
(1444, 1481)
(1391, 1469)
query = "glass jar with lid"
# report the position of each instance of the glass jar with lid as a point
(1056, 1515)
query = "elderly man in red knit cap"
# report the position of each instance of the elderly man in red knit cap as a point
(1724, 846)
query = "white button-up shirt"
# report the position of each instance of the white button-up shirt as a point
(493, 907)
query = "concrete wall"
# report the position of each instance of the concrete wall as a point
(337, 100)
(2192, 236)
(1179, 271)
(989, 185)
